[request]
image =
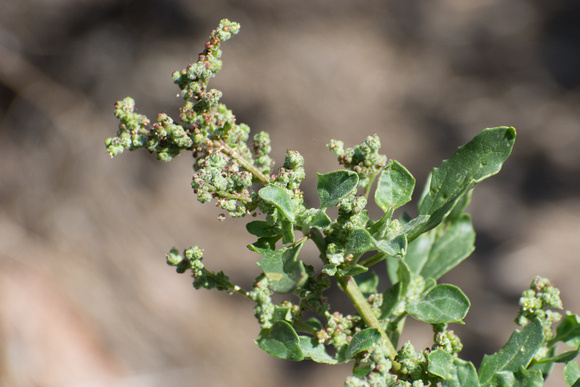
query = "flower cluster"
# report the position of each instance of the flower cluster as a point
(535, 303)
(291, 173)
(311, 294)
(364, 159)
(202, 278)
(262, 296)
(164, 138)
(412, 363)
(224, 166)
(261, 150)
(351, 216)
(219, 176)
(193, 79)
(339, 329)
(446, 340)
(379, 366)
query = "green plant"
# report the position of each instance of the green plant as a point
(416, 251)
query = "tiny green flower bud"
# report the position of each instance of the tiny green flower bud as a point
(173, 257)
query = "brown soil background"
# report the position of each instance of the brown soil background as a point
(86, 298)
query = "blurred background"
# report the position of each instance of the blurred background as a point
(86, 298)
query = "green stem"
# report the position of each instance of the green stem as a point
(350, 287)
(372, 260)
(227, 284)
(368, 188)
(320, 243)
(243, 162)
(300, 240)
(302, 326)
(240, 198)
(348, 284)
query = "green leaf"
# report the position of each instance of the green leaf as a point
(317, 218)
(282, 313)
(268, 243)
(564, 357)
(391, 298)
(440, 364)
(442, 304)
(418, 252)
(450, 248)
(261, 228)
(415, 224)
(463, 374)
(314, 323)
(399, 271)
(394, 188)
(404, 276)
(568, 331)
(362, 371)
(544, 367)
(572, 374)
(352, 270)
(395, 247)
(435, 253)
(367, 283)
(288, 232)
(282, 268)
(315, 351)
(362, 341)
(279, 198)
(518, 352)
(379, 228)
(471, 163)
(502, 379)
(460, 206)
(529, 378)
(359, 241)
(334, 186)
(281, 341)
(454, 372)
(330, 269)
(520, 378)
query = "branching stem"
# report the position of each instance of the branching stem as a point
(350, 287)
(243, 162)
(228, 285)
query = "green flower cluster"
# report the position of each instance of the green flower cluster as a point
(262, 296)
(193, 79)
(204, 114)
(376, 373)
(409, 369)
(202, 278)
(288, 177)
(412, 363)
(165, 138)
(218, 176)
(291, 174)
(262, 149)
(535, 303)
(446, 340)
(339, 329)
(311, 294)
(224, 166)
(364, 159)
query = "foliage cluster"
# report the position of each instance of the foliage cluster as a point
(416, 251)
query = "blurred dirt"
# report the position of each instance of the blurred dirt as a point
(86, 298)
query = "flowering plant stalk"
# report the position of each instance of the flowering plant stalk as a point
(240, 177)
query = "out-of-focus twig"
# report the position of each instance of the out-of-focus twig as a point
(37, 88)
